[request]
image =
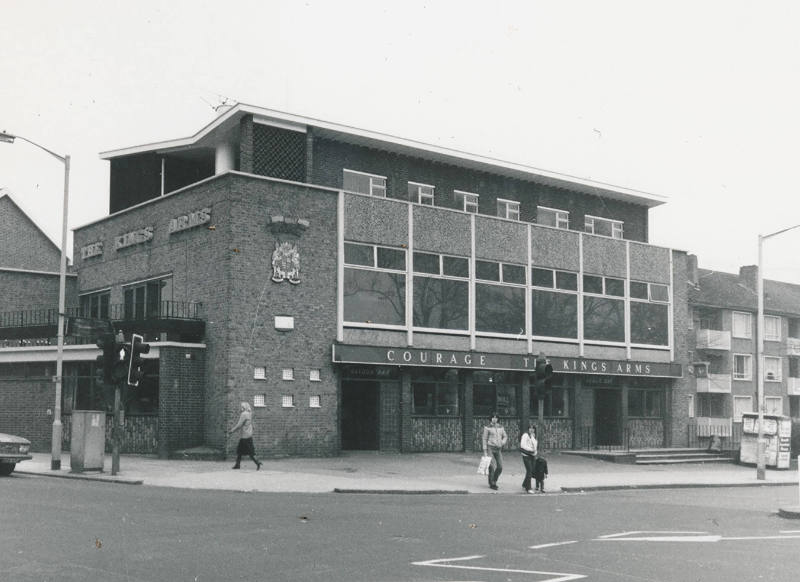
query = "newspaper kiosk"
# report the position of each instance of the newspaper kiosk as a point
(777, 435)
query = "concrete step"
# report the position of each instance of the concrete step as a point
(682, 460)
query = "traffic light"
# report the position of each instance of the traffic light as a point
(543, 377)
(105, 361)
(135, 361)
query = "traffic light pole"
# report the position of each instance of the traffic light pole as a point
(115, 431)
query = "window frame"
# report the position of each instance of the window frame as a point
(469, 200)
(737, 411)
(421, 193)
(778, 377)
(508, 209)
(776, 337)
(374, 189)
(748, 333)
(560, 217)
(617, 226)
(748, 367)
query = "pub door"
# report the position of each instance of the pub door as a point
(607, 417)
(360, 415)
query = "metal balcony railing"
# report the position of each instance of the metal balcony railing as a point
(121, 312)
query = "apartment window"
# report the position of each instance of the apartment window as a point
(260, 400)
(773, 405)
(145, 300)
(710, 405)
(259, 373)
(691, 405)
(603, 226)
(287, 374)
(742, 325)
(314, 402)
(467, 201)
(772, 368)
(96, 305)
(441, 291)
(772, 328)
(287, 401)
(507, 209)
(741, 404)
(374, 284)
(794, 327)
(742, 366)
(364, 183)
(552, 217)
(420, 193)
(313, 375)
(794, 367)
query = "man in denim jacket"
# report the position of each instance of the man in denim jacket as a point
(494, 438)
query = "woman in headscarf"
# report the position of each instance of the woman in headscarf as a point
(245, 446)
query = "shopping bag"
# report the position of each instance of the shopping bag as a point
(483, 467)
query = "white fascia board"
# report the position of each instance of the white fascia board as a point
(80, 353)
(401, 145)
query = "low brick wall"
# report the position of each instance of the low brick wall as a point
(436, 435)
(645, 433)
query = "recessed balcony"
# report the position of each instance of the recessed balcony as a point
(165, 320)
(793, 386)
(714, 383)
(713, 339)
(792, 346)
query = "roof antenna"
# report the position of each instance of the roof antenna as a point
(223, 104)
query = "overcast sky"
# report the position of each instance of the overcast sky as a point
(697, 101)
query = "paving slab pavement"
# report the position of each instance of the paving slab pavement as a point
(376, 472)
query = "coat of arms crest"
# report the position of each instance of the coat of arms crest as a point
(286, 263)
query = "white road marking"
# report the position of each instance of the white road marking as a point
(440, 563)
(540, 546)
(664, 539)
(697, 537)
(628, 533)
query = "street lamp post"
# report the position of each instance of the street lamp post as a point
(55, 450)
(761, 451)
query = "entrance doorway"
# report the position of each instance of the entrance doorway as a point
(360, 415)
(607, 415)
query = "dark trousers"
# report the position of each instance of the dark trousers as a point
(528, 461)
(496, 466)
(540, 484)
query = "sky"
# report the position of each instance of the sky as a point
(696, 101)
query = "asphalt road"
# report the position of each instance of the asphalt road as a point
(66, 530)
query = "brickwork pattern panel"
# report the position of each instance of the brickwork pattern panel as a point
(432, 435)
(645, 433)
(390, 416)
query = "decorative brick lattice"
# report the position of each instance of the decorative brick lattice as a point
(279, 153)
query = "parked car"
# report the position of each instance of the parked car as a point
(12, 450)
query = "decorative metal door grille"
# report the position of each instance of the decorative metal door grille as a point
(279, 153)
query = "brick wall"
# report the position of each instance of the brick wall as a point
(24, 412)
(430, 435)
(181, 398)
(22, 244)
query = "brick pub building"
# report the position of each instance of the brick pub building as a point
(363, 291)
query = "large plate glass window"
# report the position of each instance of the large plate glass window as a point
(441, 291)
(363, 183)
(374, 285)
(603, 310)
(436, 394)
(645, 403)
(96, 305)
(649, 313)
(499, 297)
(554, 303)
(494, 392)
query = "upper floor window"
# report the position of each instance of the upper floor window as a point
(649, 291)
(144, 300)
(467, 201)
(374, 284)
(364, 183)
(772, 368)
(742, 366)
(552, 217)
(96, 305)
(507, 209)
(742, 325)
(772, 328)
(603, 226)
(420, 193)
